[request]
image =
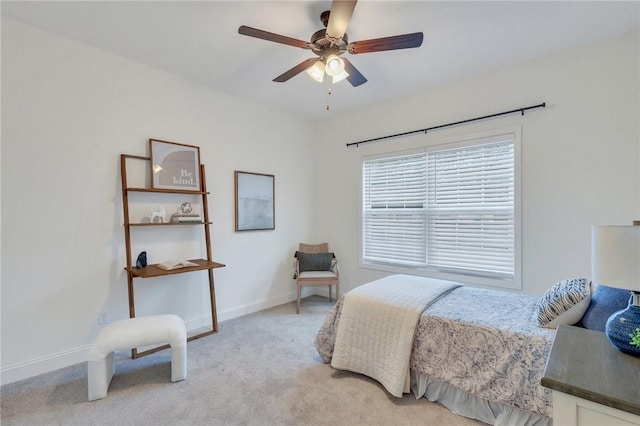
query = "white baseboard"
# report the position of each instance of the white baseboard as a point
(48, 363)
(242, 310)
(45, 364)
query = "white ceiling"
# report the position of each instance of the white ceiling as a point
(199, 40)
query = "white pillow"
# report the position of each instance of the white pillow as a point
(564, 303)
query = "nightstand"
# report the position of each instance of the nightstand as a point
(593, 383)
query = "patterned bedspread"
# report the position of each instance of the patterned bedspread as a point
(484, 342)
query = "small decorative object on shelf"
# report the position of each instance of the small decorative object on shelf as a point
(157, 215)
(185, 214)
(141, 262)
(181, 218)
(176, 264)
(186, 208)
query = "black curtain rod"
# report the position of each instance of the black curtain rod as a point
(520, 110)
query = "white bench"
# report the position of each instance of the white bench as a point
(132, 333)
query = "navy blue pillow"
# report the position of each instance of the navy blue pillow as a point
(605, 301)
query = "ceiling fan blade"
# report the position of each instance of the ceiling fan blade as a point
(266, 35)
(355, 78)
(341, 11)
(404, 41)
(295, 70)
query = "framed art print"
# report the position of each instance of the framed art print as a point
(174, 165)
(254, 201)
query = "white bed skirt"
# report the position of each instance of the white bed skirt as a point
(467, 405)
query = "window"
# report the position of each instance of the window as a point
(448, 210)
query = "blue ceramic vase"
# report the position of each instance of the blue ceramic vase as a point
(619, 327)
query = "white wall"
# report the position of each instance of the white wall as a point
(581, 156)
(68, 112)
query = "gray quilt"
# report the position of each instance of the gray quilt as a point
(484, 342)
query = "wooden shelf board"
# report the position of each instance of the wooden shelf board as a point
(167, 191)
(168, 223)
(153, 270)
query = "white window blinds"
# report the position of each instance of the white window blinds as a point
(394, 210)
(448, 210)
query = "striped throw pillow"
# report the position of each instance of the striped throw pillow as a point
(564, 303)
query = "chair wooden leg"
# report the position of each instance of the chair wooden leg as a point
(329, 293)
(298, 304)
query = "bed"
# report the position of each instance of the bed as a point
(479, 352)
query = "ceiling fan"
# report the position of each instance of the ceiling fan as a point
(331, 42)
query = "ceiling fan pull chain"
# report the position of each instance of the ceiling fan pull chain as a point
(328, 94)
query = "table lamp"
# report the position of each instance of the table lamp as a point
(615, 262)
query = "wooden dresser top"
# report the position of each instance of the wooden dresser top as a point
(584, 364)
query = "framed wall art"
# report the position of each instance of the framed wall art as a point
(254, 201)
(174, 165)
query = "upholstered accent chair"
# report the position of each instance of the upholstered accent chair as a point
(316, 265)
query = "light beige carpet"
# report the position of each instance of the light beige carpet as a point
(261, 369)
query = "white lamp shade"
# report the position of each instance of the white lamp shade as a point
(615, 256)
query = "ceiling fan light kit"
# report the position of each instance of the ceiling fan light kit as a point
(334, 66)
(330, 43)
(316, 71)
(339, 77)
